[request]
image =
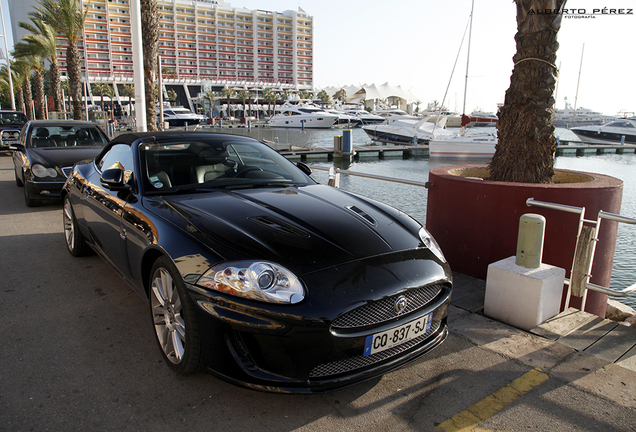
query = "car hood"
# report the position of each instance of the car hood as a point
(62, 156)
(305, 229)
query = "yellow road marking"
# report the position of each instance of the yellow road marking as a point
(468, 419)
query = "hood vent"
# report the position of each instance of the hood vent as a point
(363, 215)
(279, 225)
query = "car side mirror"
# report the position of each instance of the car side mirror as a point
(304, 168)
(113, 179)
(16, 147)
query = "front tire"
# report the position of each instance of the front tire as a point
(75, 242)
(173, 318)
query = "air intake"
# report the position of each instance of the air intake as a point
(363, 215)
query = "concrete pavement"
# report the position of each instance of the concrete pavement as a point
(78, 354)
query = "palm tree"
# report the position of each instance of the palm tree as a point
(18, 80)
(150, 41)
(306, 94)
(210, 97)
(109, 91)
(323, 96)
(43, 38)
(270, 96)
(228, 93)
(128, 90)
(340, 95)
(526, 148)
(29, 52)
(68, 18)
(244, 95)
(100, 89)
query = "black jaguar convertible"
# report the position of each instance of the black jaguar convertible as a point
(253, 270)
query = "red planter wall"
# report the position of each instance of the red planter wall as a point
(476, 222)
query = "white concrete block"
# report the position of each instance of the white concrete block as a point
(523, 297)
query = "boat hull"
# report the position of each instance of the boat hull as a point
(463, 148)
(600, 136)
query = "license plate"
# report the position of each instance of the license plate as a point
(397, 335)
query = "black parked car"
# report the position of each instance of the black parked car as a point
(253, 269)
(11, 122)
(46, 152)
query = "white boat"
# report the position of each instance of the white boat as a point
(179, 116)
(620, 131)
(344, 119)
(365, 117)
(408, 131)
(469, 143)
(473, 144)
(452, 119)
(569, 117)
(391, 115)
(295, 115)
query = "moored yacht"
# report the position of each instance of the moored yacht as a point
(408, 131)
(365, 117)
(478, 143)
(391, 115)
(620, 131)
(179, 116)
(301, 116)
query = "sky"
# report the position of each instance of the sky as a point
(415, 43)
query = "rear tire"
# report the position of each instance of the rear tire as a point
(75, 242)
(173, 318)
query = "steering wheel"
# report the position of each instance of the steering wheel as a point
(243, 172)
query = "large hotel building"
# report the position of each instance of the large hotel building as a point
(203, 44)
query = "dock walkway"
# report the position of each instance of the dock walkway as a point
(584, 332)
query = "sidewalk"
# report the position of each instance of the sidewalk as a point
(546, 350)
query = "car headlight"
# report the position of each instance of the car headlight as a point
(431, 244)
(40, 171)
(263, 281)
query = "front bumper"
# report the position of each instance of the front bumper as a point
(44, 190)
(304, 348)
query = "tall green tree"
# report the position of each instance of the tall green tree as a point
(244, 96)
(270, 97)
(340, 95)
(210, 97)
(228, 92)
(101, 90)
(323, 96)
(150, 42)
(68, 18)
(29, 53)
(526, 148)
(42, 38)
(18, 80)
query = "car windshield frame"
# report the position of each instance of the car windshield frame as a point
(201, 163)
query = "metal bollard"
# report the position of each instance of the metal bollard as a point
(530, 240)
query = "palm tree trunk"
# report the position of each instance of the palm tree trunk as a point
(150, 40)
(28, 96)
(74, 70)
(56, 86)
(38, 85)
(526, 148)
(20, 99)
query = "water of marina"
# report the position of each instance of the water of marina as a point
(412, 199)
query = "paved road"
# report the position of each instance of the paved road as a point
(77, 353)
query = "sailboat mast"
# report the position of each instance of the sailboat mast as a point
(470, 33)
(576, 96)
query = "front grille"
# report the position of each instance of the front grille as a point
(384, 310)
(360, 361)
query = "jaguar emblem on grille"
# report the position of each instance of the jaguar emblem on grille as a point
(400, 305)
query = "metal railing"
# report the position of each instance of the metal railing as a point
(334, 177)
(585, 249)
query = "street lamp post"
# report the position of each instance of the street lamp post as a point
(6, 50)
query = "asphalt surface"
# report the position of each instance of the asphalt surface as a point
(78, 353)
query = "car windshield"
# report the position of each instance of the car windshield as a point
(12, 118)
(187, 164)
(67, 136)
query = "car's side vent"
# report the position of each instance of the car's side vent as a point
(279, 225)
(363, 215)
